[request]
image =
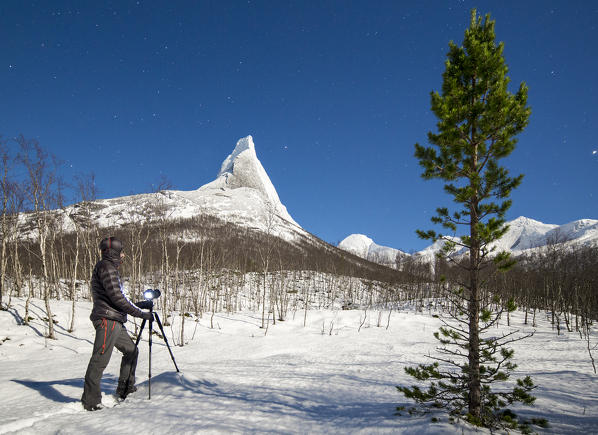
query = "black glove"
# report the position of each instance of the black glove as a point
(148, 315)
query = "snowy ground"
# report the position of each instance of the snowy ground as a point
(235, 379)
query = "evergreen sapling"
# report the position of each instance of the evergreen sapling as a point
(478, 119)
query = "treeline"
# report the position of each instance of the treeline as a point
(557, 280)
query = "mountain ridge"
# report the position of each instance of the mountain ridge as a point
(524, 235)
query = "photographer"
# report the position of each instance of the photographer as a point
(109, 313)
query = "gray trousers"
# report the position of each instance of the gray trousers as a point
(109, 334)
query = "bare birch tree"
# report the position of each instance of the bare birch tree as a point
(42, 178)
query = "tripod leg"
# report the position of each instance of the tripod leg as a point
(140, 331)
(137, 345)
(149, 378)
(166, 341)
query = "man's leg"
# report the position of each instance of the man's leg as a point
(126, 380)
(102, 350)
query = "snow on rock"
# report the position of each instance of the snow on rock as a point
(357, 244)
(242, 169)
(525, 234)
(364, 247)
(584, 231)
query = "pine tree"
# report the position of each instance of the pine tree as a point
(478, 119)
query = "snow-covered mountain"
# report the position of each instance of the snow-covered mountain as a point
(244, 180)
(524, 234)
(583, 231)
(242, 194)
(364, 247)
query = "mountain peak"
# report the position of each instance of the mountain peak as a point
(522, 220)
(243, 170)
(358, 244)
(243, 145)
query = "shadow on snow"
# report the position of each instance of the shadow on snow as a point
(49, 390)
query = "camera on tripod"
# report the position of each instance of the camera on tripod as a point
(148, 304)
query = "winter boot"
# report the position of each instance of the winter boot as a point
(96, 407)
(123, 390)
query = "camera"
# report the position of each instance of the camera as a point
(149, 295)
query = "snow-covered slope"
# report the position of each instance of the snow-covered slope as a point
(428, 254)
(583, 231)
(242, 194)
(364, 247)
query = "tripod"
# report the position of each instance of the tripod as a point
(150, 304)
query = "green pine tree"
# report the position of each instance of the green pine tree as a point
(478, 119)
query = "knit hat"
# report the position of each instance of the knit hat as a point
(111, 243)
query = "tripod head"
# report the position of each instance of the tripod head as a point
(145, 305)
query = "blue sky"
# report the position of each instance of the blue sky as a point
(334, 93)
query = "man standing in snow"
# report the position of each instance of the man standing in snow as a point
(109, 313)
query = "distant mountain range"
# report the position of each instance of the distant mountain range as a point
(524, 235)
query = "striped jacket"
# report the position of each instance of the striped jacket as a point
(109, 301)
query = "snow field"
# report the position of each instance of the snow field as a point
(330, 376)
